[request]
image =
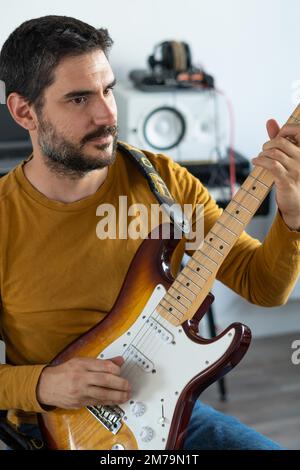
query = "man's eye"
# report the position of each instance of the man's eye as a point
(108, 90)
(79, 100)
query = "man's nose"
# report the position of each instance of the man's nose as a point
(105, 113)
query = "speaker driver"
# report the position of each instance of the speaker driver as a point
(164, 128)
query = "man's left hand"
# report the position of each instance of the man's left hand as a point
(282, 158)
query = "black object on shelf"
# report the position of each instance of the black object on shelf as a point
(15, 143)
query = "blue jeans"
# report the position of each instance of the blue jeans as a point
(209, 430)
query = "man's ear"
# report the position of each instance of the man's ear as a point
(21, 111)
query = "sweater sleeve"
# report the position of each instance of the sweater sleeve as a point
(18, 387)
(18, 383)
(264, 273)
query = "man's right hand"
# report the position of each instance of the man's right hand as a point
(81, 382)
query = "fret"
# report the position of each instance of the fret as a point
(247, 200)
(220, 235)
(239, 212)
(249, 193)
(233, 216)
(232, 223)
(172, 311)
(216, 243)
(205, 260)
(212, 253)
(183, 290)
(262, 175)
(201, 270)
(262, 183)
(174, 303)
(178, 295)
(164, 313)
(187, 282)
(229, 236)
(256, 188)
(199, 279)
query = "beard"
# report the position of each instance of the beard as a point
(66, 159)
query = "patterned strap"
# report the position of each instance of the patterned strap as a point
(157, 186)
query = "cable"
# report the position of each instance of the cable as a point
(232, 166)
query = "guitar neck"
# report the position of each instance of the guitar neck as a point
(235, 217)
(194, 282)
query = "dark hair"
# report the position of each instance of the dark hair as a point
(32, 52)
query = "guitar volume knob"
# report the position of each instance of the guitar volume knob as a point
(147, 434)
(138, 408)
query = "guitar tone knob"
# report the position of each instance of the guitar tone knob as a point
(147, 434)
(138, 408)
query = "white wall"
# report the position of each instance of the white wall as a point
(250, 46)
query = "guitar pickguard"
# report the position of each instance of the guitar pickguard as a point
(160, 360)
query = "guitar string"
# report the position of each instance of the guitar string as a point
(145, 349)
(164, 322)
(255, 178)
(142, 337)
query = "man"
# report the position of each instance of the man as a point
(57, 278)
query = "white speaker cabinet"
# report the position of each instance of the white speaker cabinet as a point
(191, 126)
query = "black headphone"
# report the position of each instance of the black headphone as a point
(175, 56)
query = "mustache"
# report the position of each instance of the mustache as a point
(103, 131)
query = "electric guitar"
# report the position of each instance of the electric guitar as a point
(154, 326)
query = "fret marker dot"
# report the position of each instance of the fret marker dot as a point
(221, 247)
(178, 297)
(237, 212)
(170, 309)
(187, 283)
(254, 188)
(198, 269)
(210, 239)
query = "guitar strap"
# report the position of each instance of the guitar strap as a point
(16, 440)
(157, 186)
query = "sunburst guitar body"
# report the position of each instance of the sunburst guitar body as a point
(154, 325)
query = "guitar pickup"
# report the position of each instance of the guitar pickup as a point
(165, 335)
(138, 358)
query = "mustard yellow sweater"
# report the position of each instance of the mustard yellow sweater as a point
(58, 279)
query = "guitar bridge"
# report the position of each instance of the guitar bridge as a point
(109, 416)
